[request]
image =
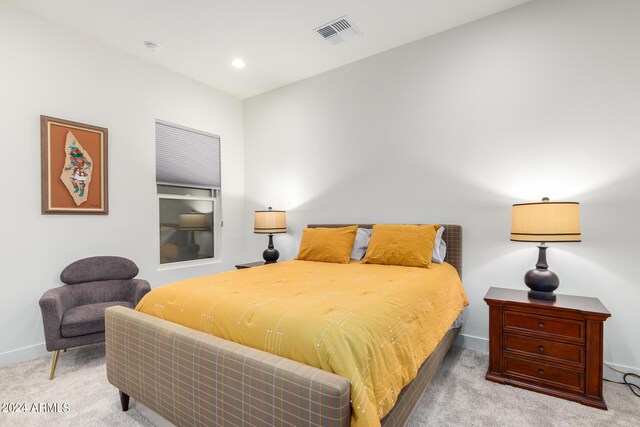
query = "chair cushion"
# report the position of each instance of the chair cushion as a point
(99, 268)
(87, 319)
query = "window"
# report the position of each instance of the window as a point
(188, 186)
(187, 223)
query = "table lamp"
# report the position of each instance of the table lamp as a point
(270, 222)
(544, 222)
(193, 222)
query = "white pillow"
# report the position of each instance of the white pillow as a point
(439, 248)
(360, 244)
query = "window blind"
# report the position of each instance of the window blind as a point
(186, 157)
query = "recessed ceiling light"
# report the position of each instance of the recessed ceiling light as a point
(152, 46)
(238, 63)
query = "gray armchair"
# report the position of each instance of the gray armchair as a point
(73, 315)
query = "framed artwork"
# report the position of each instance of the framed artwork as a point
(74, 167)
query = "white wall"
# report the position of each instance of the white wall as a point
(541, 100)
(45, 69)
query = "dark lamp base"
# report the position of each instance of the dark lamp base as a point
(547, 296)
(192, 249)
(271, 254)
(541, 280)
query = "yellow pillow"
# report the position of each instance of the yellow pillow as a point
(327, 244)
(397, 244)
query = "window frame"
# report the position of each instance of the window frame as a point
(216, 230)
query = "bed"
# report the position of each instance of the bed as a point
(191, 377)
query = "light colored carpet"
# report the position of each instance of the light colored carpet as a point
(81, 382)
(458, 396)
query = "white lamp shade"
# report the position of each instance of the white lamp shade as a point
(193, 222)
(270, 222)
(546, 222)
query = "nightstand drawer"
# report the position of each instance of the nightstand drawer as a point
(544, 373)
(543, 326)
(549, 350)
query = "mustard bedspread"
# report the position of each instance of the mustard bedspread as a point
(372, 324)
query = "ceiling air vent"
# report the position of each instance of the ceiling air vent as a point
(338, 31)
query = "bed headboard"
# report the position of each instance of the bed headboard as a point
(452, 237)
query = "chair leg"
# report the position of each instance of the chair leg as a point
(54, 363)
(124, 401)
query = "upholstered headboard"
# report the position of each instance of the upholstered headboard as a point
(452, 237)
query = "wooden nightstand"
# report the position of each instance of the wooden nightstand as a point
(552, 347)
(250, 264)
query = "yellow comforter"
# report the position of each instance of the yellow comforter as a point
(372, 324)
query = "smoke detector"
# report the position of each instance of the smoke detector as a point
(152, 46)
(339, 30)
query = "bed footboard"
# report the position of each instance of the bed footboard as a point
(192, 378)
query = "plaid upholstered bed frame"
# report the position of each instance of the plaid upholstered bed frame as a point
(192, 378)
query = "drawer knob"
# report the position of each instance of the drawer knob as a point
(541, 349)
(541, 371)
(541, 325)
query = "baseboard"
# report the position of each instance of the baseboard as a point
(613, 375)
(22, 354)
(472, 343)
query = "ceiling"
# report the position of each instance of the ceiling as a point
(275, 38)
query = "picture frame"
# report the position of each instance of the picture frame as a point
(74, 167)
